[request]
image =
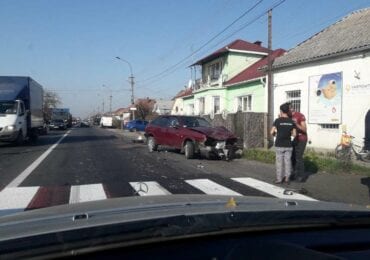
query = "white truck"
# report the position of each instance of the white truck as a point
(21, 113)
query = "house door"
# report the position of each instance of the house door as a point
(367, 131)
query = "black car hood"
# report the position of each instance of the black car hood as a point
(133, 220)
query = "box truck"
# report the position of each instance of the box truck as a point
(21, 109)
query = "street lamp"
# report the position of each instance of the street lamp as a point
(131, 78)
(102, 103)
(110, 98)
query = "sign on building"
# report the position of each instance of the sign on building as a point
(325, 99)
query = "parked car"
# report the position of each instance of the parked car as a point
(136, 125)
(57, 124)
(191, 135)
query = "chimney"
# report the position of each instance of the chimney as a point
(258, 43)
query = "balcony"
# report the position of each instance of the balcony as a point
(199, 84)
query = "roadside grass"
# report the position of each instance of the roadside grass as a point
(314, 162)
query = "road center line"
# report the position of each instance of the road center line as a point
(21, 177)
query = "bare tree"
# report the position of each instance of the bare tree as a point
(51, 100)
(144, 108)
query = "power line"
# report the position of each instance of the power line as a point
(205, 44)
(224, 39)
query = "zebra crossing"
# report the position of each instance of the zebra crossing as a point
(15, 199)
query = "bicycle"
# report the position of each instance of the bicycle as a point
(344, 150)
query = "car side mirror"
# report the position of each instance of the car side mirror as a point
(176, 126)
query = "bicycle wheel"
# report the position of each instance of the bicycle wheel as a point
(365, 156)
(342, 153)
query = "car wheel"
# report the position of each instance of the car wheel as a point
(152, 146)
(189, 150)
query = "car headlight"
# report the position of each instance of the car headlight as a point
(10, 128)
(220, 145)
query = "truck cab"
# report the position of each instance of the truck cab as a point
(13, 121)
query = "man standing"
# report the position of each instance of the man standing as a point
(284, 129)
(299, 143)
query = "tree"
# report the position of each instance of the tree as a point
(51, 100)
(144, 108)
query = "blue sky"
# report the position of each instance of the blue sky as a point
(69, 46)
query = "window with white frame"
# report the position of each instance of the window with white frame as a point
(329, 126)
(214, 70)
(245, 103)
(216, 105)
(294, 97)
(201, 106)
(190, 109)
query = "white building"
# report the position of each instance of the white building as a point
(327, 78)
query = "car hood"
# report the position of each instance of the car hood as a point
(134, 220)
(259, 212)
(217, 133)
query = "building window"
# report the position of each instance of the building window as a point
(245, 103)
(294, 97)
(190, 109)
(329, 126)
(216, 105)
(214, 71)
(201, 106)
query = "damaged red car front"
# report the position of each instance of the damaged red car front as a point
(191, 135)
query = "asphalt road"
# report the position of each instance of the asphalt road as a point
(84, 164)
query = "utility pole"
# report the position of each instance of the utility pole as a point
(132, 89)
(270, 88)
(110, 104)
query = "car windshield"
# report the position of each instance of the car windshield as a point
(115, 104)
(8, 107)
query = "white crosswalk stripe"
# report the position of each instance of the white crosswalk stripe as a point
(149, 188)
(89, 192)
(211, 187)
(16, 199)
(21, 198)
(271, 189)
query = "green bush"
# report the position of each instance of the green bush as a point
(313, 162)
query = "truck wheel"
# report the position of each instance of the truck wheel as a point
(189, 150)
(20, 139)
(152, 146)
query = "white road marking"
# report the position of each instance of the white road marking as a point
(16, 199)
(149, 188)
(211, 188)
(88, 192)
(21, 177)
(271, 189)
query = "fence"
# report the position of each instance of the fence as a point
(248, 126)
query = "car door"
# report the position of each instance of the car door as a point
(173, 132)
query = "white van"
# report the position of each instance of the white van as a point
(106, 121)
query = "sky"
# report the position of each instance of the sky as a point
(69, 46)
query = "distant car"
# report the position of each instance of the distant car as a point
(57, 124)
(84, 124)
(191, 135)
(136, 125)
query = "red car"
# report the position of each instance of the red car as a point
(191, 135)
